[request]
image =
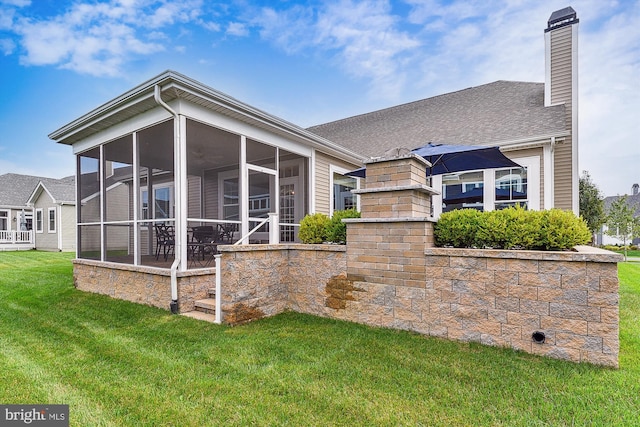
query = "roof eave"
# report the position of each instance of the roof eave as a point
(171, 79)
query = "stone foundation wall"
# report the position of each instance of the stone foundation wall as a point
(143, 285)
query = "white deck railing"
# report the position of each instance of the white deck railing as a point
(16, 237)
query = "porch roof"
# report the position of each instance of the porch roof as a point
(177, 86)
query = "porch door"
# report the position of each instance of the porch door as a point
(261, 200)
(291, 199)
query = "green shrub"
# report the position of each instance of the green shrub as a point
(458, 228)
(337, 230)
(512, 228)
(562, 230)
(313, 228)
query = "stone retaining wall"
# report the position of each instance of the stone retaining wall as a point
(143, 285)
(264, 280)
(498, 298)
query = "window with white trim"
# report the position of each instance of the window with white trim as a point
(340, 187)
(39, 219)
(51, 220)
(163, 201)
(4, 220)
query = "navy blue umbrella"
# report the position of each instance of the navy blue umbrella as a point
(445, 158)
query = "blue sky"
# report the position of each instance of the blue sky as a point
(309, 62)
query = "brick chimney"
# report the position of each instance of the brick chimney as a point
(561, 87)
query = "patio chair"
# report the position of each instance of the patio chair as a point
(225, 234)
(165, 240)
(203, 245)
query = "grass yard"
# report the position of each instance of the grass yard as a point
(121, 364)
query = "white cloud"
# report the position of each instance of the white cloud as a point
(99, 38)
(17, 3)
(7, 46)
(363, 38)
(237, 29)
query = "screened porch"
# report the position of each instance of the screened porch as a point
(150, 197)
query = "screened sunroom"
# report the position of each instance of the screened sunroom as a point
(172, 169)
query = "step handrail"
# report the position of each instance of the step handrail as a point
(242, 239)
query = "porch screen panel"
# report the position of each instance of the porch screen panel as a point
(293, 179)
(212, 154)
(118, 244)
(260, 154)
(118, 179)
(156, 201)
(89, 186)
(89, 242)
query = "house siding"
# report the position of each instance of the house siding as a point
(323, 179)
(68, 227)
(47, 241)
(561, 93)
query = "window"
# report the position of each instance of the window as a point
(341, 185)
(463, 190)
(163, 202)
(52, 220)
(39, 220)
(4, 220)
(511, 188)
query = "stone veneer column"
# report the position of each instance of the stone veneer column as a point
(386, 246)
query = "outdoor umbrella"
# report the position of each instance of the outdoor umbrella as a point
(446, 158)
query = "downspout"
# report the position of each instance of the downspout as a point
(178, 253)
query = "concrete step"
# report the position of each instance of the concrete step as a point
(200, 316)
(212, 292)
(207, 305)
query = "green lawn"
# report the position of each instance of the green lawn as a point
(121, 364)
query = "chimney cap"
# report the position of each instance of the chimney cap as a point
(561, 18)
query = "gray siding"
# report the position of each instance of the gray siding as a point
(561, 93)
(68, 227)
(46, 241)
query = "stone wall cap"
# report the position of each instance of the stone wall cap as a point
(398, 154)
(326, 247)
(579, 253)
(144, 268)
(381, 220)
(421, 188)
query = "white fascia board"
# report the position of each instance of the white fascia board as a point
(530, 142)
(127, 99)
(127, 127)
(171, 79)
(35, 193)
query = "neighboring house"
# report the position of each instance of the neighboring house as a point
(20, 222)
(175, 152)
(633, 201)
(54, 214)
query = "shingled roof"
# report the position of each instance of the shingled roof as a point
(483, 115)
(15, 189)
(633, 201)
